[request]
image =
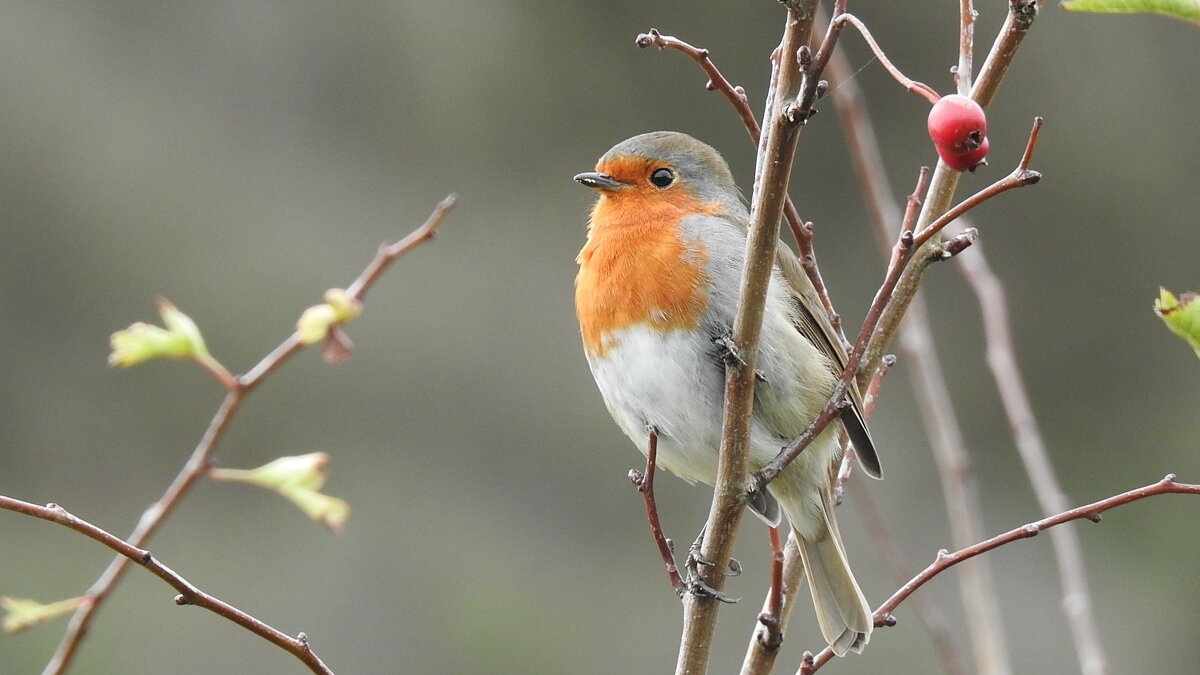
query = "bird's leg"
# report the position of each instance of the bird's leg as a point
(644, 481)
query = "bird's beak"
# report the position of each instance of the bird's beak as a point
(600, 181)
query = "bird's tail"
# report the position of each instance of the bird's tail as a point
(842, 611)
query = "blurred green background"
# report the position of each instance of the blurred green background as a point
(240, 158)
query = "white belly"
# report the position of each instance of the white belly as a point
(675, 382)
(669, 381)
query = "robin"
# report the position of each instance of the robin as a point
(656, 295)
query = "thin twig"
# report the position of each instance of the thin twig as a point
(716, 81)
(201, 458)
(919, 88)
(801, 230)
(188, 593)
(1002, 360)
(1020, 177)
(944, 560)
(901, 255)
(894, 559)
(644, 482)
(760, 657)
(945, 180)
(770, 618)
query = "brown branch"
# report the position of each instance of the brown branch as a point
(944, 560)
(919, 88)
(1020, 177)
(716, 81)
(966, 47)
(1017, 23)
(644, 482)
(901, 255)
(947, 445)
(941, 190)
(930, 614)
(773, 169)
(802, 231)
(188, 593)
(1006, 371)
(201, 458)
(763, 650)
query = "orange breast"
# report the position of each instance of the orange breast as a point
(635, 268)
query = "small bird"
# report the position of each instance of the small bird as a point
(656, 295)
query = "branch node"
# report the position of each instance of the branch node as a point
(1032, 529)
(804, 58)
(182, 600)
(1024, 11)
(956, 244)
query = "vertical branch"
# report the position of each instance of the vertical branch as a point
(977, 585)
(966, 47)
(773, 169)
(761, 652)
(1001, 358)
(945, 180)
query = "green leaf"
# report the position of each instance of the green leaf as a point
(1186, 10)
(1181, 315)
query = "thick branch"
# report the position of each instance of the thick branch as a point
(776, 149)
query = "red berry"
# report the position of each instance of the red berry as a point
(958, 128)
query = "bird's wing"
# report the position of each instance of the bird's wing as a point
(815, 326)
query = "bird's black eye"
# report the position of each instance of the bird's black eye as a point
(661, 178)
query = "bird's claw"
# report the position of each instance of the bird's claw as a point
(696, 586)
(728, 351)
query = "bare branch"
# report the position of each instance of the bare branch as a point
(776, 150)
(801, 231)
(188, 593)
(1002, 360)
(920, 88)
(944, 560)
(201, 458)
(966, 47)
(644, 482)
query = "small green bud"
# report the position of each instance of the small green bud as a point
(316, 321)
(20, 614)
(299, 479)
(180, 339)
(1182, 315)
